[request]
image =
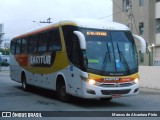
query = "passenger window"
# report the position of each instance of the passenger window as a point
(13, 46)
(54, 41)
(18, 46)
(33, 43)
(24, 45)
(43, 41)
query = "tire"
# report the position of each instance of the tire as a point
(24, 84)
(105, 99)
(61, 92)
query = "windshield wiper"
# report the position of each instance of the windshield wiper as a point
(105, 61)
(123, 59)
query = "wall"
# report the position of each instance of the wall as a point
(157, 10)
(149, 77)
(158, 38)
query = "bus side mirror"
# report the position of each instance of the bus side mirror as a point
(143, 43)
(81, 38)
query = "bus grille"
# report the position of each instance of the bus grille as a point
(110, 92)
(115, 85)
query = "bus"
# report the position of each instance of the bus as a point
(86, 58)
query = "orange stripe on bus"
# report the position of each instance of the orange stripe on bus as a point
(22, 59)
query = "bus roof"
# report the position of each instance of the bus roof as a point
(86, 23)
(97, 23)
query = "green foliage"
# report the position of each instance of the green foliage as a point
(4, 51)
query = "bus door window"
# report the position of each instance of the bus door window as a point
(76, 52)
(68, 33)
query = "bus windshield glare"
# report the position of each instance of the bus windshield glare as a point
(111, 52)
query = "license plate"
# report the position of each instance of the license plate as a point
(116, 96)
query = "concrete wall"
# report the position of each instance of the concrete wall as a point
(149, 77)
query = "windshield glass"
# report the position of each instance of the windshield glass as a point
(111, 52)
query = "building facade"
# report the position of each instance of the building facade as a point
(143, 18)
(1, 34)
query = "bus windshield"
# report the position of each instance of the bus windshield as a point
(111, 52)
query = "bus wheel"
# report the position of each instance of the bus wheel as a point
(105, 99)
(24, 84)
(61, 92)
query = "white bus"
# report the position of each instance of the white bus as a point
(83, 58)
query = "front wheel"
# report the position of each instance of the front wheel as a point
(61, 92)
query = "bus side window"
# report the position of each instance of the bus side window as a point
(18, 46)
(13, 47)
(33, 43)
(43, 41)
(24, 45)
(54, 40)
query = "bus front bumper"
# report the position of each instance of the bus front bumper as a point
(93, 91)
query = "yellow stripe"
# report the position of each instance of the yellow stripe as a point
(94, 76)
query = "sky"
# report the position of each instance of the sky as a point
(18, 15)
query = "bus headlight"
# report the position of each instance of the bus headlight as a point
(136, 80)
(91, 82)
